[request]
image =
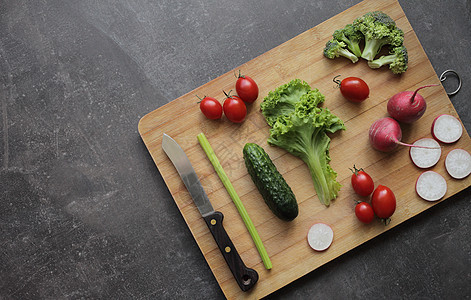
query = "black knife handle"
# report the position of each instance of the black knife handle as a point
(245, 277)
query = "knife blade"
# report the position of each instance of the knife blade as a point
(244, 276)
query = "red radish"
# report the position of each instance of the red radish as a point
(458, 163)
(385, 135)
(431, 186)
(446, 129)
(320, 236)
(408, 106)
(423, 157)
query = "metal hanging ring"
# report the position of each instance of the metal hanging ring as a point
(443, 78)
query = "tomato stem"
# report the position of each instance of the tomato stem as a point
(228, 95)
(338, 82)
(240, 76)
(355, 170)
(199, 98)
(386, 221)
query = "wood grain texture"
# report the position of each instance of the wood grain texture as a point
(300, 57)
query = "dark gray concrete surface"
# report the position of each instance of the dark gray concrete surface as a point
(84, 212)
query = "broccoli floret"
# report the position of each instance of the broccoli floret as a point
(397, 60)
(396, 38)
(382, 18)
(351, 37)
(335, 48)
(300, 127)
(379, 30)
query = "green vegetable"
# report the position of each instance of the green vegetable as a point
(335, 48)
(272, 186)
(235, 198)
(397, 60)
(351, 36)
(379, 30)
(302, 130)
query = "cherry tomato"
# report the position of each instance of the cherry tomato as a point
(383, 202)
(364, 212)
(353, 89)
(234, 109)
(362, 183)
(211, 108)
(246, 88)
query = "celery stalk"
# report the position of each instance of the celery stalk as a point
(235, 198)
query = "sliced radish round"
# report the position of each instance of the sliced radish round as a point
(425, 157)
(458, 163)
(320, 236)
(431, 186)
(447, 129)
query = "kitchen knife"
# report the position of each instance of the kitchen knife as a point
(245, 277)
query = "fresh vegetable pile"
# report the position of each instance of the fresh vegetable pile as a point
(299, 126)
(385, 134)
(431, 185)
(234, 106)
(383, 200)
(374, 30)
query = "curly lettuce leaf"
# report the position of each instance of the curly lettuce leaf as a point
(301, 128)
(282, 100)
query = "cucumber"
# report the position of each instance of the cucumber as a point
(272, 186)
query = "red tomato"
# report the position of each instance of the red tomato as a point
(246, 88)
(234, 109)
(211, 108)
(362, 182)
(383, 202)
(364, 212)
(353, 88)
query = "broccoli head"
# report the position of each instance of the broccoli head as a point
(302, 131)
(397, 60)
(379, 30)
(396, 38)
(382, 18)
(351, 37)
(335, 48)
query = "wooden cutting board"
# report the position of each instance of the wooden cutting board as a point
(300, 57)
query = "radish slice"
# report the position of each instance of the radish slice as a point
(447, 129)
(458, 163)
(425, 157)
(320, 236)
(431, 186)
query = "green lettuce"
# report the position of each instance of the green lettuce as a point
(300, 127)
